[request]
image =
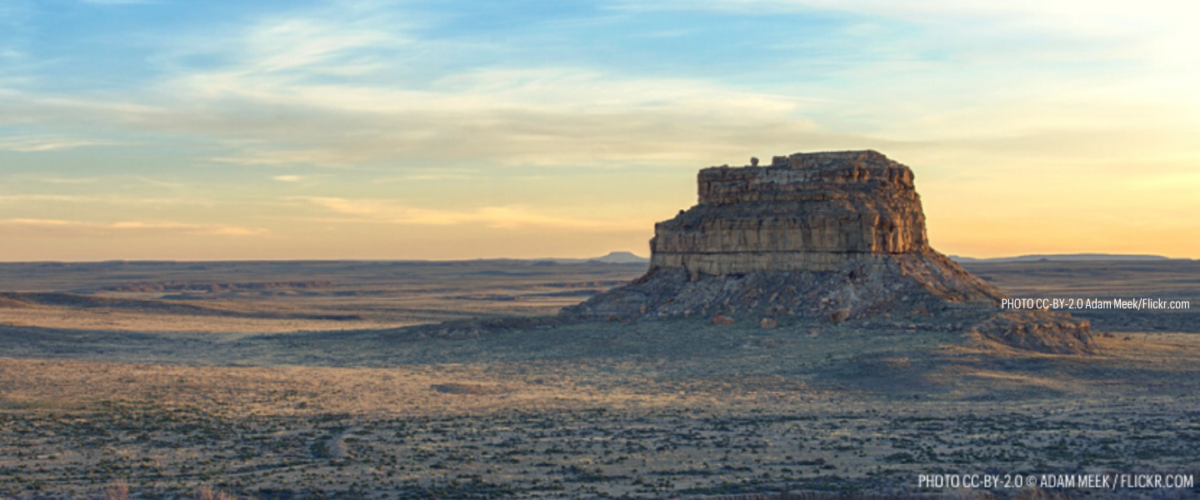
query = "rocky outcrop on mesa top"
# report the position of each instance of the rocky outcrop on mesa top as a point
(838, 235)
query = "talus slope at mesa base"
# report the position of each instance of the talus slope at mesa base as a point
(837, 236)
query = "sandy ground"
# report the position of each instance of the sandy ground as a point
(583, 427)
(259, 297)
(667, 409)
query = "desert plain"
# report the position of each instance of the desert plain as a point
(281, 380)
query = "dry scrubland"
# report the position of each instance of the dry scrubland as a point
(240, 297)
(677, 408)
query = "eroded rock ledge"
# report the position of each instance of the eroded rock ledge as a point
(806, 212)
(838, 235)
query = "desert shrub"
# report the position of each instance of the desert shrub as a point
(116, 490)
(208, 493)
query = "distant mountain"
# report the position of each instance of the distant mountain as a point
(621, 258)
(1074, 257)
(611, 258)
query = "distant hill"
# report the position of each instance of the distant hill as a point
(1074, 257)
(621, 258)
(611, 258)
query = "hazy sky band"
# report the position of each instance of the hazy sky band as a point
(220, 130)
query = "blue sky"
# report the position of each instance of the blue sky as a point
(374, 129)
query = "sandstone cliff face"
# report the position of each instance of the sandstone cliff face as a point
(809, 212)
(836, 236)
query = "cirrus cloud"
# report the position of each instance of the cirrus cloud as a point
(497, 217)
(54, 228)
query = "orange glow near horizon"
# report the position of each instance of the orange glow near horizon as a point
(367, 130)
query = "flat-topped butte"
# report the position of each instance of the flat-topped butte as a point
(811, 212)
(837, 235)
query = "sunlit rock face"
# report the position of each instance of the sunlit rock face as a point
(810, 212)
(837, 236)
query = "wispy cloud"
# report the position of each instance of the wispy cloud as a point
(417, 174)
(274, 102)
(272, 156)
(309, 43)
(542, 116)
(39, 144)
(116, 200)
(993, 91)
(1066, 14)
(57, 180)
(499, 217)
(123, 229)
(57, 198)
(426, 177)
(158, 182)
(1086, 29)
(277, 101)
(118, 2)
(351, 207)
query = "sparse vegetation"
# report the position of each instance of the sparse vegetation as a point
(664, 409)
(117, 490)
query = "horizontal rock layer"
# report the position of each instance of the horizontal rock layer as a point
(807, 212)
(809, 177)
(832, 236)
